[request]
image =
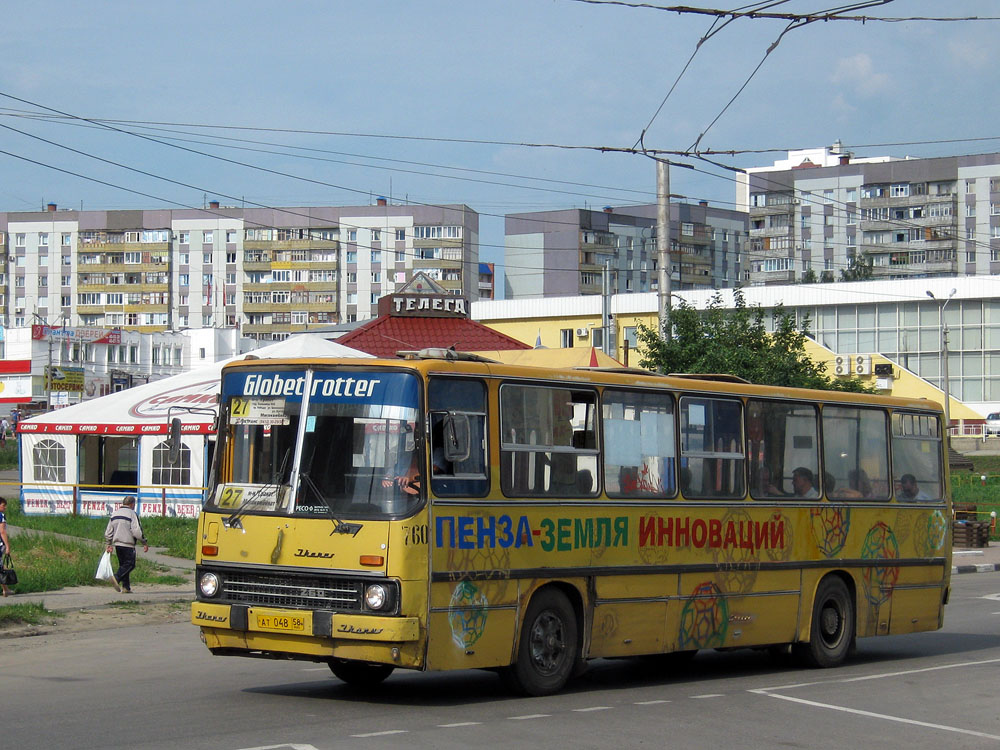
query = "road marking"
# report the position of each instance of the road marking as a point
(707, 695)
(316, 669)
(381, 734)
(293, 746)
(650, 703)
(592, 708)
(528, 716)
(880, 676)
(885, 717)
(459, 724)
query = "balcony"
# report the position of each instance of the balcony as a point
(771, 232)
(279, 245)
(779, 208)
(908, 200)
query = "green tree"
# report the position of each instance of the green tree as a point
(736, 341)
(859, 268)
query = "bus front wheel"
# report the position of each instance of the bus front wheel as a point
(358, 674)
(548, 646)
(831, 634)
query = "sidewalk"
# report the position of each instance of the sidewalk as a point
(977, 560)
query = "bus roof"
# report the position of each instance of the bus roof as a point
(720, 384)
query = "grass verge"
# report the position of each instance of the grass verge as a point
(176, 534)
(25, 614)
(47, 563)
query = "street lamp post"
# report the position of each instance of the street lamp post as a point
(944, 356)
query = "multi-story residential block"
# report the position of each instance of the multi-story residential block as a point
(823, 211)
(561, 253)
(269, 271)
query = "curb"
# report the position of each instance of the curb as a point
(980, 568)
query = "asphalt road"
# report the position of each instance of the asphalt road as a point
(158, 687)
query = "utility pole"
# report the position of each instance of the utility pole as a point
(606, 309)
(47, 329)
(663, 242)
(945, 386)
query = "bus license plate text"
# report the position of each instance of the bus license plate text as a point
(281, 622)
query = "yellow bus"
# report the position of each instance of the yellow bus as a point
(439, 511)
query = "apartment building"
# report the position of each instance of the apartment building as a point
(823, 211)
(268, 271)
(566, 253)
(900, 322)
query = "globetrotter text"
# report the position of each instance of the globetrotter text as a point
(276, 385)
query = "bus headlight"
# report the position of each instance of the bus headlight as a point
(378, 596)
(209, 584)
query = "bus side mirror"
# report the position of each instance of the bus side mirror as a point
(174, 441)
(456, 437)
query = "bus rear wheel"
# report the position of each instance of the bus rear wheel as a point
(359, 674)
(831, 634)
(548, 647)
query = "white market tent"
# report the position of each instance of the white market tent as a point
(87, 457)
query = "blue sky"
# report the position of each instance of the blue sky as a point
(520, 71)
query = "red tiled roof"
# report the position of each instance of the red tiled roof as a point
(386, 335)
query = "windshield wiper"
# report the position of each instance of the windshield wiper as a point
(233, 521)
(339, 527)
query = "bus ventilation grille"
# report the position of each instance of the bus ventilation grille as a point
(300, 592)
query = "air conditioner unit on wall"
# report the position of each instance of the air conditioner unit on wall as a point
(842, 365)
(862, 364)
(581, 332)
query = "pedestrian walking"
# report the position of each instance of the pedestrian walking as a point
(4, 541)
(122, 534)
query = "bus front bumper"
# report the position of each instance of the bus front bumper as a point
(307, 623)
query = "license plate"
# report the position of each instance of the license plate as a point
(281, 622)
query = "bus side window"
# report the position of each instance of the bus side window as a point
(548, 441)
(916, 458)
(712, 446)
(856, 452)
(639, 447)
(464, 398)
(783, 437)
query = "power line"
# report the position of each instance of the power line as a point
(63, 120)
(830, 15)
(200, 153)
(795, 22)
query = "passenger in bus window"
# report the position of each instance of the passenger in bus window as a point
(767, 486)
(803, 483)
(859, 486)
(909, 490)
(440, 466)
(406, 473)
(686, 479)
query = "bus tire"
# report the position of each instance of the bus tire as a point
(548, 647)
(359, 674)
(831, 633)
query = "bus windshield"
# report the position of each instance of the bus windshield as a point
(342, 443)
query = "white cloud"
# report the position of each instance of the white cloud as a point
(842, 109)
(859, 75)
(966, 52)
